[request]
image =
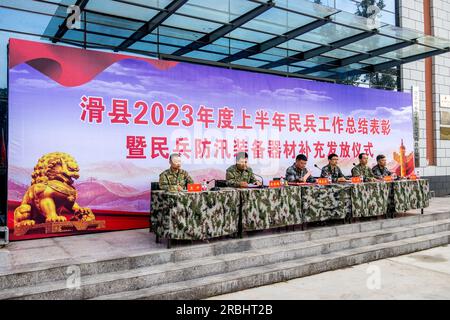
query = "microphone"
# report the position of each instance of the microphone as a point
(354, 164)
(262, 179)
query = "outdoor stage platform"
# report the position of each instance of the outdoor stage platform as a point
(130, 265)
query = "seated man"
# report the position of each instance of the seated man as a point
(362, 170)
(298, 171)
(380, 171)
(174, 178)
(240, 175)
(333, 170)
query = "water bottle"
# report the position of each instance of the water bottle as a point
(204, 185)
(330, 180)
(362, 178)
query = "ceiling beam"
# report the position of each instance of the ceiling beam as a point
(225, 29)
(152, 24)
(271, 43)
(357, 58)
(319, 50)
(391, 64)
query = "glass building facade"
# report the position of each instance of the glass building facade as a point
(39, 20)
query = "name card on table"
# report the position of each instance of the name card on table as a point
(356, 180)
(194, 187)
(322, 181)
(274, 184)
(388, 179)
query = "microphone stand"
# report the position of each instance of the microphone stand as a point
(315, 165)
(262, 179)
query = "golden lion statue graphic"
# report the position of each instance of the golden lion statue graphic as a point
(52, 192)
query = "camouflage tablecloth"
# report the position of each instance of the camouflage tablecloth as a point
(203, 215)
(270, 207)
(408, 194)
(327, 202)
(370, 199)
(194, 215)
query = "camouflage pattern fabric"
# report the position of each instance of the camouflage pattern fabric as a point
(379, 172)
(326, 202)
(294, 174)
(335, 172)
(370, 199)
(169, 180)
(203, 215)
(365, 171)
(195, 215)
(268, 208)
(409, 194)
(235, 176)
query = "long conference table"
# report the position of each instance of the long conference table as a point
(229, 211)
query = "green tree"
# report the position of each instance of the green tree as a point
(385, 80)
(361, 8)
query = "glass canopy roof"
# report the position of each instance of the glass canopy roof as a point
(293, 36)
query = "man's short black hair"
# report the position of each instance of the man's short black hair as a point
(301, 157)
(241, 155)
(361, 155)
(174, 155)
(380, 156)
(332, 155)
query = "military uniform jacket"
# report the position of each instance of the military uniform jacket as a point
(169, 179)
(379, 172)
(235, 176)
(364, 171)
(334, 172)
(294, 174)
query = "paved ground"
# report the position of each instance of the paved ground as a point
(420, 275)
(51, 251)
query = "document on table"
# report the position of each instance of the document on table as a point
(250, 185)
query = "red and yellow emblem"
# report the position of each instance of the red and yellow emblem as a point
(194, 187)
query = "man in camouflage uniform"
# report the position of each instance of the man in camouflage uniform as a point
(380, 171)
(362, 170)
(174, 178)
(333, 170)
(298, 171)
(241, 175)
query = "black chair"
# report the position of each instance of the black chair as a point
(154, 186)
(220, 184)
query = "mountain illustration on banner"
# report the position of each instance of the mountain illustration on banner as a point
(405, 163)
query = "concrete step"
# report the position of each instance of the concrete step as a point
(264, 275)
(194, 268)
(28, 275)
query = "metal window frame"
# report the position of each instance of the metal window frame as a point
(152, 24)
(255, 48)
(225, 29)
